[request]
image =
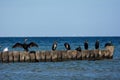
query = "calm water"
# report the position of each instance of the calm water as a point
(67, 70)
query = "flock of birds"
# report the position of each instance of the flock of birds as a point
(26, 46)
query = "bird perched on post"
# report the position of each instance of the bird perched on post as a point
(67, 46)
(78, 48)
(54, 46)
(97, 44)
(86, 44)
(5, 49)
(109, 44)
(25, 46)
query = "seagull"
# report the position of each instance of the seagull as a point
(67, 46)
(54, 46)
(25, 45)
(5, 49)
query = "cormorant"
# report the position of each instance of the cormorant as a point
(25, 45)
(86, 45)
(54, 46)
(109, 44)
(67, 46)
(97, 44)
(78, 49)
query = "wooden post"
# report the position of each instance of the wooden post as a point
(48, 56)
(16, 56)
(96, 52)
(59, 56)
(111, 51)
(5, 57)
(0, 56)
(42, 56)
(91, 55)
(69, 55)
(10, 54)
(84, 54)
(54, 56)
(22, 56)
(38, 56)
(64, 55)
(79, 55)
(32, 57)
(74, 55)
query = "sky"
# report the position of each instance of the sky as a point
(36, 18)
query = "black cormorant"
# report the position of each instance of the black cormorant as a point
(97, 44)
(54, 46)
(86, 45)
(67, 46)
(109, 44)
(78, 48)
(25, 45)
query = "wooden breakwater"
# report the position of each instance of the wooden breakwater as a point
(53, 56)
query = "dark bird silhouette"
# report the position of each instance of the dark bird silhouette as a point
(54, 46)
(78, 49)
(25, 45)
(86, 45)
(109, 44)
(67, 46)
(97, 44)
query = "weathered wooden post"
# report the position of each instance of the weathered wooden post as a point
(101, 54)
(111, 51)
(54, 56)
(22, 56)
(69, 55)
(42, 56)
(11, 58)
(74, 55)
(59, 56)
(32, 56)
(91, 55)
(84, 54)
(0, 56)
(79, 55)
(64, 55)
(27, 57)
(48, 56)
(107, 54)
(38, 56)
(16, 56)
(96, 52)
(5, 57)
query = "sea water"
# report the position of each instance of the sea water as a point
(107, 69)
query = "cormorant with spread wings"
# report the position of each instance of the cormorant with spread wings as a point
(25, 45)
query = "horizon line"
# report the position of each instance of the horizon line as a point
(59, 36)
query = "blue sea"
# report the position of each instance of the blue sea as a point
(108, 69)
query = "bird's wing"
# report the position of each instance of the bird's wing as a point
(17, 45)
(32, 44)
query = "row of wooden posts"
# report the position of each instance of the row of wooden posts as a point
(53, 56)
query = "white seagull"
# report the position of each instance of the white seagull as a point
(5, 49)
